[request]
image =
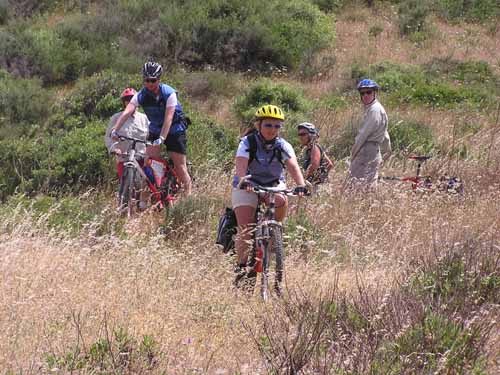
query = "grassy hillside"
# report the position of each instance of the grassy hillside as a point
(391, 283)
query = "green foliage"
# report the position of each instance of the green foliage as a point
(375, 30)
(438, 84)
(441, 342)
(23, 103)
(188, 211)
(68, 161)
(239, 34)
(328, 6)
(473, 10)
(264, 91)
(342, 145)
(411, 136)
(70, 214)
(117, 352)
(4, 12)
(412, 16)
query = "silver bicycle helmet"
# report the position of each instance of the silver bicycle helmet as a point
(311, 129)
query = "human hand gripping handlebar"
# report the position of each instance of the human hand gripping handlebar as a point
(244, 183)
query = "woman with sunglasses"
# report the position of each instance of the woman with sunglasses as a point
(372, 139)
(167, 122)
(263, 154)
(316, 164)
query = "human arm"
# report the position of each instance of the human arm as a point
(385, 147)
(315, 162)
(129, 110)
(169, 116)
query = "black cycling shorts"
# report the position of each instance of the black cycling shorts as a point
(175, 142)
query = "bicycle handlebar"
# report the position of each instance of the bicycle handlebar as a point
(274, 190)
(125, 138)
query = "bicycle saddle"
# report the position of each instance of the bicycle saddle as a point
(419, 158)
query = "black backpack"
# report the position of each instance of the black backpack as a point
(226, 230)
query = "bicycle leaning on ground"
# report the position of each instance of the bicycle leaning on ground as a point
(419, 183)
(157, 176)
(268, 237)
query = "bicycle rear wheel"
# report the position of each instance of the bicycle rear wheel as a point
(129, 191)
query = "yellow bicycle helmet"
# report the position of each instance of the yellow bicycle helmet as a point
(270, 111)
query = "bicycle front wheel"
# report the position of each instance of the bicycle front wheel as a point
(128, 191)
(276, 242)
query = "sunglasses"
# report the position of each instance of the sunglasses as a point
(150, 80)
(363, 93)
(269, 126)
(302, 134)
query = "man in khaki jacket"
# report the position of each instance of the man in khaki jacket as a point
(372, 140)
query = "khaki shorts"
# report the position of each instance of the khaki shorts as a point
(241, 197)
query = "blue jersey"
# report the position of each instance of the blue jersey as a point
(155, 108)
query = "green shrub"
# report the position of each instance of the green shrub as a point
(474, 10)
(438, 84)
(23, 103)
(210, 144)
(264, 91)
(328, 6)
(411, 136)
(239, 34)
(375, 30)
(4, 12)
(115, 351)
(412, 16)
(442, 342)
(69, 161)
(343, 142)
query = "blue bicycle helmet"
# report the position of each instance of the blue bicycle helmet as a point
(368, 84)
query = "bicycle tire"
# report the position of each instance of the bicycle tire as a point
(128, 191)
(276, 240)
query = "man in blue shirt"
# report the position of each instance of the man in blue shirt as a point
(167, 122)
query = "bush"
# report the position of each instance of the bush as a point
(287, 97)
(412, 16)
(437, 84)
(23, 104)
(238, 34)
(437, 319)
(411, 136)
(55, 163)
(4, 12)
(473, 10)
(328, 6)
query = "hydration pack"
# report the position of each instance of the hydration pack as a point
(252, 150)
(226, 230)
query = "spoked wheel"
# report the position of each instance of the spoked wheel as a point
(273, 243)
(129, 192)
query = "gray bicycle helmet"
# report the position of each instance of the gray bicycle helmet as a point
(311, 129)
(152, 69)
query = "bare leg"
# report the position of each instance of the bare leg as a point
(181, 170)
(245, 216)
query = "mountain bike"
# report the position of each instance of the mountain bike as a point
(268, 237)
(419, 183)
(157, 176)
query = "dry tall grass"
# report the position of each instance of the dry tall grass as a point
(59, 293)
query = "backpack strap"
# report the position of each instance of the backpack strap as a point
(252, 148)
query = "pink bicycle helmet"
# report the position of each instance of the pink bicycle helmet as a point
(128, 93)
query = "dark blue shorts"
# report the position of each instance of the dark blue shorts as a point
(175, 142)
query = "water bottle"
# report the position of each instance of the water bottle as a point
(149, 172)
